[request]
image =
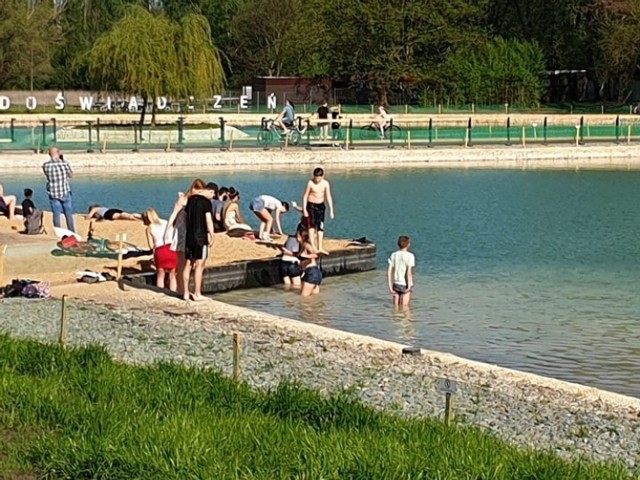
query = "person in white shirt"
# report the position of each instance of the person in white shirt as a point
(265, 207)
(400, 272)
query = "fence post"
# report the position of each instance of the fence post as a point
(618, 129)
(3, 251)
(98, 130)
(508, 131)
(135, 136)
(308, 131)
(55, 135)
(582, 130)
(544, 130)
(430, 145)
(236, 356)
(13, 130)
(90, 149)
(506, 108)
(222, 122)
(62, 337)
(524, 134)
(469, 127)
(391, 133)
(44, 133)
(409, 139)
(349, 134)
(628, 134)
(180, 133)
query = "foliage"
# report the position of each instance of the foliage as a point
(500, 71)
(390, 46)
(100, 419)
(27, 36)
(618, 51)
(150, 55)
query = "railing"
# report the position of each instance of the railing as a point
(345, 133)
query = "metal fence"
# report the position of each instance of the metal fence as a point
(339, 133)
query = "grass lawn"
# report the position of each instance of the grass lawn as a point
(76, 414)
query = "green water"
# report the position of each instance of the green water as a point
(533, 270)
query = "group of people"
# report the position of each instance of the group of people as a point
(328, 117)
(182, 243)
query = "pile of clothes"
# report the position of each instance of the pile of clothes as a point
(26, 288)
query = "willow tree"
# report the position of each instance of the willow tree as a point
(150, 55)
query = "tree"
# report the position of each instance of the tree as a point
(82, 22)
(27, 35)
(618, 50)
(150, 55)
(397, 45)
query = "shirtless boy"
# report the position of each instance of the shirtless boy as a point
(313, 207)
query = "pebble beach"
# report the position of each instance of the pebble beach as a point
(142, 326)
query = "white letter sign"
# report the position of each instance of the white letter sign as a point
(133, 104)
(271, 101)
(5, 103)
(217, 102)
(244, 101)
(161, 103)
(86, 103)
(60, 101)
(31, 103)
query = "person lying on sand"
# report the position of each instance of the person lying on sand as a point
(102, 213)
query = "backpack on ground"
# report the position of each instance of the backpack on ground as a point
(33, 223)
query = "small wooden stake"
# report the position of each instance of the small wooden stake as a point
(448, 408)
(121, 238)
(231, 140)
(63, 322)
(524, 135)
(409, 139)
(236, 356)
(629, 134)
(3, 251)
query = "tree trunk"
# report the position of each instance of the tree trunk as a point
(153, 113)
(143, 113)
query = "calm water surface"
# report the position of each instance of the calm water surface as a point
(533, 270)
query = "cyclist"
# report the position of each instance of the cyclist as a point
(381, 120)
(287, 116)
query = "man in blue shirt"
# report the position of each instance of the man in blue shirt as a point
(287, 116)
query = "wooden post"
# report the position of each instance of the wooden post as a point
(524, 134)
(104, 146)
(577, 135)
(409, 139)
(62, 338)
(406, 108)
(439, 108)
(169, 142)
(231, 140)
(448, 408)
(3, 251)
(628, 134)
(466, 138)
(236, 356)
(121, 238)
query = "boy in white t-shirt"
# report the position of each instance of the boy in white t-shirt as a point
(400, 272)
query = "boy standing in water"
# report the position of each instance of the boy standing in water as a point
(400, 272)
(313, 208)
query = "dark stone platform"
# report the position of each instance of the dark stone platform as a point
(265, 272)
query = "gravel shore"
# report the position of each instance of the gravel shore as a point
(541, 414)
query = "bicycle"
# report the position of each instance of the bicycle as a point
(271, 132)
(372, 131)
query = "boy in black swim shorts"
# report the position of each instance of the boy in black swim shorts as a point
(313, 207)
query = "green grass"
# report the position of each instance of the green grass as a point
(90, 417)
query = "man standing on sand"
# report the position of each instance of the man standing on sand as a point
(199, 237)
(313, 208)
(58, 173)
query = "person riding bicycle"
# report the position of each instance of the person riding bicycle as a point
(382, 120)
(287, 116)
